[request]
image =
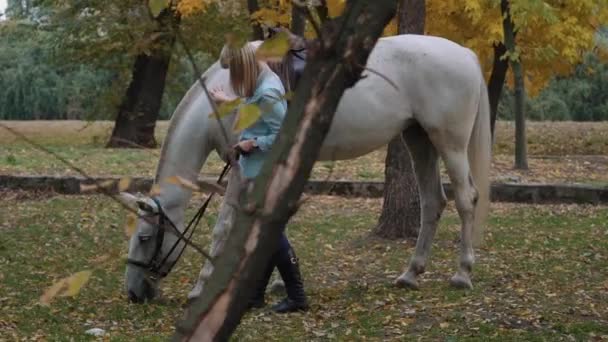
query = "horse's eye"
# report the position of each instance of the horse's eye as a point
(144, 238)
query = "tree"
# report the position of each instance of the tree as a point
(334, 65)
(551, 36)
(400, 217)
(521, 151)
(138, 111)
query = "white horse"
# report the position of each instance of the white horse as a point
(440, 106)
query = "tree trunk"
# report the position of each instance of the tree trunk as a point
(497, 81)
(334, 65)
(258, 33)
(298, 21)
(138, 112)
(521, 153)
(400, 217)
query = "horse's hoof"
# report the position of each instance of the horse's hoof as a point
(407, 281)
(461, 281)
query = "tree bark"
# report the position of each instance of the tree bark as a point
(334, 65)
(400, 217)
(298, 21)
(258, 33)
(521, 152)
(496, 82)
(138, 112)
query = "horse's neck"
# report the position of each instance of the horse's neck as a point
(191, 138)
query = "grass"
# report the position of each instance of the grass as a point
(541, 276)
(559, 153)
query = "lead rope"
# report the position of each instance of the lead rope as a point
(193, 224)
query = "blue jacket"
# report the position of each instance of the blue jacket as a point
(269, 96)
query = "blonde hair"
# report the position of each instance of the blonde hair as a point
(244, 68)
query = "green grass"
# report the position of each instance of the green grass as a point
(83, 144)
(541, 276)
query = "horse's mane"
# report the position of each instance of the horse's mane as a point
(178, 114)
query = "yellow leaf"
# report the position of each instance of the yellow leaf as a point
(155, 190)
(131, 225)
(76, 282)
(274, 48)
(444, 325)
(107, 183)
(183, 182)
(124, 183)
(288, 95)
(335, 7)
(227, 107)
(88, 187)
(69, 286)
(248, 115)
(157, 6)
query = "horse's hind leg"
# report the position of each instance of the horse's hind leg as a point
(432, 200)
(465, 194)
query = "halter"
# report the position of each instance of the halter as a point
(155, 266)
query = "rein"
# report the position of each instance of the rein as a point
(154, 266)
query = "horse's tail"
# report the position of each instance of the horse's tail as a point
(480, 146)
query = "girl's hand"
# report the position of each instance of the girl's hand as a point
(246, 145)
(219, 96)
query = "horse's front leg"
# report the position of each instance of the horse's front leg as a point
(223, 226)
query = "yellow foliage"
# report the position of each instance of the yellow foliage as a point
(552, 37)
(190, 7)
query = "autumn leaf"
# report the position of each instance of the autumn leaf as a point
(124, 184)
(131, 225)
(248, 115)
(227, 107)
(155, 190)
(288, 95)
(335, 7)
(65, 287)
(274, 48)
(157, 6)
(88, 187)
(183, 182)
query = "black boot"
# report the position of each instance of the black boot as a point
(257, 301)
(290, 272)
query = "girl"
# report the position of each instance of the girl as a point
(257, 84)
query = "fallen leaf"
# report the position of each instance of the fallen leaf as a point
(69, 286)
(124, 184)
(183, 182)
(131, 225)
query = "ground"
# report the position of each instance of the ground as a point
(541, 274)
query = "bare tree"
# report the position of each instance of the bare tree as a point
(400, 216)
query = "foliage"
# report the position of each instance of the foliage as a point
(552, 35)
(36, 85)
(582, 96)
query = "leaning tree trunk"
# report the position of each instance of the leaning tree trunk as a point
(400, 216)
(257, 32)
(521, 151)
(335, 63)
(298, 20)
(496, 82)
(138, 112)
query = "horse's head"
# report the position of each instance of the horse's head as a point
(152, 249)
